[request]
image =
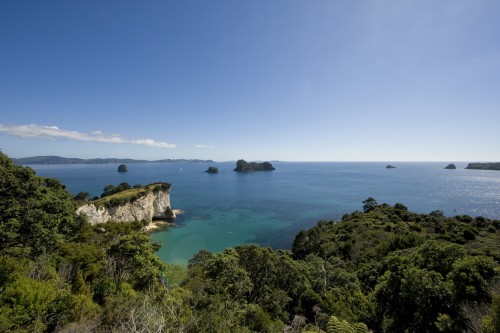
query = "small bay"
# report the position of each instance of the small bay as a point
(270, 207)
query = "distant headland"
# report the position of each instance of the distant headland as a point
(484, 166)
(70, 160)
(244, 166)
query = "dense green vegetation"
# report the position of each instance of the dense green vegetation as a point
(244, 166)
(384, 269)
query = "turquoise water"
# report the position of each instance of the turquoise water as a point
(269, 208)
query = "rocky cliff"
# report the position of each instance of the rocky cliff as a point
(149, 205)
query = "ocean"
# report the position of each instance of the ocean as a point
(268, 208)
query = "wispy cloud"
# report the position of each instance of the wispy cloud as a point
(204, 146)
(56, 133)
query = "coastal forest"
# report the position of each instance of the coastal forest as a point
(381, 269)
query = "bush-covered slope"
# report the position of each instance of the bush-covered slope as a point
(37, 214)
(57, 273)
(386, 267)
(420, 272)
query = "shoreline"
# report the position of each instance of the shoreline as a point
(158, 225)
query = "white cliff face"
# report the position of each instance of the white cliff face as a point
(152, 205)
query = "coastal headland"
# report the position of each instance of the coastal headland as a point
(145, 204)
(484, 166)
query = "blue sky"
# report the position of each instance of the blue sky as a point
(375, 80)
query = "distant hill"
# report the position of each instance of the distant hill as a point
(484, 166)
(66, 160)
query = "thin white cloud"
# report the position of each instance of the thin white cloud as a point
(205, 146)
(55, 133)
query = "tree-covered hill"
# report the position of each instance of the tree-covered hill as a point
(383, 270)
(420, 272)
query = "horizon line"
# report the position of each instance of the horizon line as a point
(261, 160)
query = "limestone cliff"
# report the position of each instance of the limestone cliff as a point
(148, 205)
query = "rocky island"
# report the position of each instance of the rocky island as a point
(244, 166)
(122, 168)
(390, 167)
(143, 204)
(450, 167)
(212, 170)
(484, 166)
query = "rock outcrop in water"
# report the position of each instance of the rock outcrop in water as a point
(390, 167)
(149, 203)
(122, 168)
(450, 166)
(244, 166)
(212, 170)
(484, 166)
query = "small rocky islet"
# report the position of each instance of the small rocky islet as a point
(122, 168)
(212, 170)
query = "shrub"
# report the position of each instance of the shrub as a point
(369, 204)
(400, 206)
(437, 213)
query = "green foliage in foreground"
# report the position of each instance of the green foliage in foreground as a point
(383, 270)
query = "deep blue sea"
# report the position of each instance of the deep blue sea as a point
(269, 208)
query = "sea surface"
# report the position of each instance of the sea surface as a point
(269, 208)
